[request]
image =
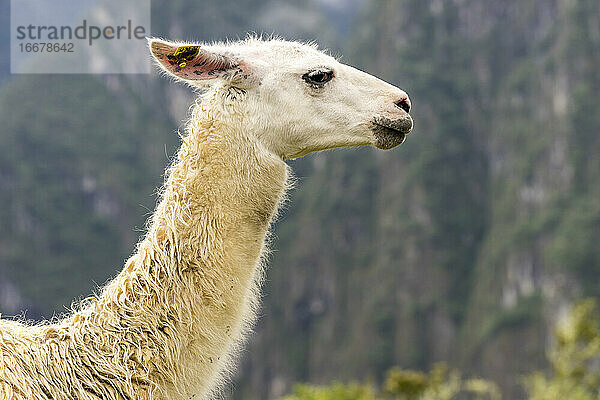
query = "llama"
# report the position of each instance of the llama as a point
(170, 325)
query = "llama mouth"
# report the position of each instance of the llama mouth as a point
(390, 133)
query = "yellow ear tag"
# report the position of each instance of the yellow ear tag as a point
(184, 54)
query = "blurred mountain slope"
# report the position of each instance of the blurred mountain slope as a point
(469, 241)
(77, 178)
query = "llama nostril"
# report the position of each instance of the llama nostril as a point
(403, 104)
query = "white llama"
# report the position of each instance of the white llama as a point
(170, 324)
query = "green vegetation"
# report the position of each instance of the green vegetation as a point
(337, 391)
(439, 384)
(574, 359)
(574, 374)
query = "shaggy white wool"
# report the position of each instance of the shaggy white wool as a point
(179, 308)
(170, 324)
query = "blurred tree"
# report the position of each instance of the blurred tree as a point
(574, 360)
(441, 383)
(337, 391)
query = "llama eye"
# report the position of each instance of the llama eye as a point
(318, 77)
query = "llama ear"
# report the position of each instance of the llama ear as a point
(198, 65)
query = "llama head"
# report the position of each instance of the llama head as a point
(292, 97)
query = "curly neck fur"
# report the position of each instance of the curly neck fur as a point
(170, 324)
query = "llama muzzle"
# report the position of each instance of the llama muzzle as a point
(391, 133)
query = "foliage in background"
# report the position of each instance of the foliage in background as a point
(336, 391)
(441, 383)
(574, 359)
(574, 375)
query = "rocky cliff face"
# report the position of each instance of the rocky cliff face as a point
(470, 240)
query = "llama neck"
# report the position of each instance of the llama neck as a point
(189, 293)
